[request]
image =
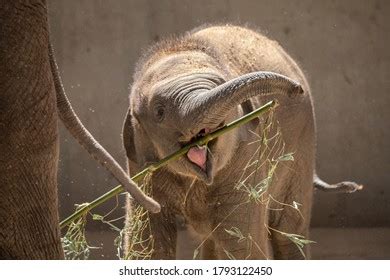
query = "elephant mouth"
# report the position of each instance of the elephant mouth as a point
(200, 158)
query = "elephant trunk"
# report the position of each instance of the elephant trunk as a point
(210, 108)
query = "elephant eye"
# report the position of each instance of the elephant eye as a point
(159, 113)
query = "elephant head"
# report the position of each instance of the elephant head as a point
(171, 106)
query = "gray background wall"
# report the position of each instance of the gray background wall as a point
(343, 46)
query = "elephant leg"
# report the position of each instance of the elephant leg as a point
(164, 234)
(291, 221)
(149, 236)
(283, 247)
(241, 232)
(208, 251)
(29, 222)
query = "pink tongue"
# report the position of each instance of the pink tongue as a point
(198, 155)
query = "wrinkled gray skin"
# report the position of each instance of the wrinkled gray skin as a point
(194, 84)
(31, 101)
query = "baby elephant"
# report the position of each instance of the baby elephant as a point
(246, 192)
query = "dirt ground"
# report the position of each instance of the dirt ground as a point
(332, 243)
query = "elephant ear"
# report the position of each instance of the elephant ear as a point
(139, 149)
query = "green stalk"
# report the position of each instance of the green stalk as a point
(199, 142)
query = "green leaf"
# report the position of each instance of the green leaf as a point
(196, 253)
(286, 157)
(298, 240)
(235, 232)
(97, 217)
(229, 255)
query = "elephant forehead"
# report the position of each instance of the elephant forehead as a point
(174, 90)
(187, 83)
(176, 64)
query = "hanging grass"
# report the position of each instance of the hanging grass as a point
(74, 242)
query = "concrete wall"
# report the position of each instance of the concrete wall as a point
(343, 46)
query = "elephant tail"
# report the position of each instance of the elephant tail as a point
(342, 187)
(89, 143)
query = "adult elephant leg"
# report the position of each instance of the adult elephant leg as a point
(28, 135)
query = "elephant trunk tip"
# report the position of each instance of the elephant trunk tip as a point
(152, 206)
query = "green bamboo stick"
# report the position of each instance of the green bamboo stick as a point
(199, 142)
